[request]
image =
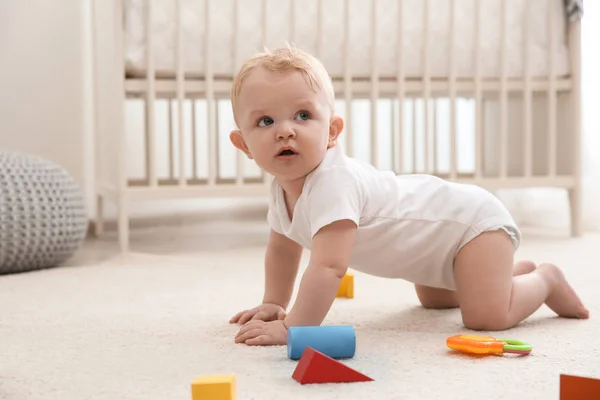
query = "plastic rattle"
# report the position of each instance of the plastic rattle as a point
(486, 345)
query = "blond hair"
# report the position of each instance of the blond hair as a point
(285, 59)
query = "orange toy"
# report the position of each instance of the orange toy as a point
(477, 344)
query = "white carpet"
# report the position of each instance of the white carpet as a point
(143, 326)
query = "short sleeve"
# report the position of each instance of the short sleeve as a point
(336, 194)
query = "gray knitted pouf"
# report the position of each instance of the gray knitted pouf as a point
(42, 213)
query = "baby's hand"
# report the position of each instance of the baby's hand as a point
(264, 312)
(262, 333)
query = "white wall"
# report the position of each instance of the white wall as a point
(42, 108)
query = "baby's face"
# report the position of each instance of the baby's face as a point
(286, 126)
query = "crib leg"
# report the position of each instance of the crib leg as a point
(99, 225)
(124, 223)
(575, 206)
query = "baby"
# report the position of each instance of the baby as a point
(455, 242)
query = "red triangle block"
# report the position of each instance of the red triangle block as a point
(574, 387)
(316, 367)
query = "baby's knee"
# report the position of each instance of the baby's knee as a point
(486, 322)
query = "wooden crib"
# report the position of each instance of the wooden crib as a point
(478, 91)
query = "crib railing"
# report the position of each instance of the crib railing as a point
(414, 100)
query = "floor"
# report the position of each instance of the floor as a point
(142, 325)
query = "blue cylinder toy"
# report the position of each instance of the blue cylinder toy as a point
(334, 341)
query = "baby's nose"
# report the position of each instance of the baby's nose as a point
(285, 132)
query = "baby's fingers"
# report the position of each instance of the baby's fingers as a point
(260, 340)
(247, 316)
(248, 335)
(261, 315)
(236, 317)
(242, 317)
(248, 327)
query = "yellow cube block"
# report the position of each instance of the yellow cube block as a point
(346, 288)
(214, 387)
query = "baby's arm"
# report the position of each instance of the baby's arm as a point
(282, 259)
(330, 257)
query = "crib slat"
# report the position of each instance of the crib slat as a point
(414, 135)
(574, 119)
(194, 141)
(171, 152)
(264, 24)
(399, 148)
(452, 95)
(503, 95)
(180, 92)
(527, 145)
(123, 197)
(319, 29)
(240, 157)
(434, 134)
(551, 113)
(150, 99)
(263, 19)
(374, 86)
(292, 22)
(212, 133)
(478, 97)
(216, 136)
(235, 37)
(347, 78)
(426, 82)
(393, 138)
(99, 141)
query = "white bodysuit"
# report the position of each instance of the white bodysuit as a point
(409, 226)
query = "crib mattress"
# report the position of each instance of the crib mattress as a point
(278, 30)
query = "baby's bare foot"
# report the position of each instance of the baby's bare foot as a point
(562, 300)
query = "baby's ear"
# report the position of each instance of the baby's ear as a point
(238, 141)
(336, 126)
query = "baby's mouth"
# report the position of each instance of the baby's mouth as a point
(287, 152)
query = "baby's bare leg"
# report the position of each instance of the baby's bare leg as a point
(443, 298)
(436, 298)
(492, 299)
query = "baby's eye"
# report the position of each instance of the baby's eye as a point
(303, 115)
(265, 121)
